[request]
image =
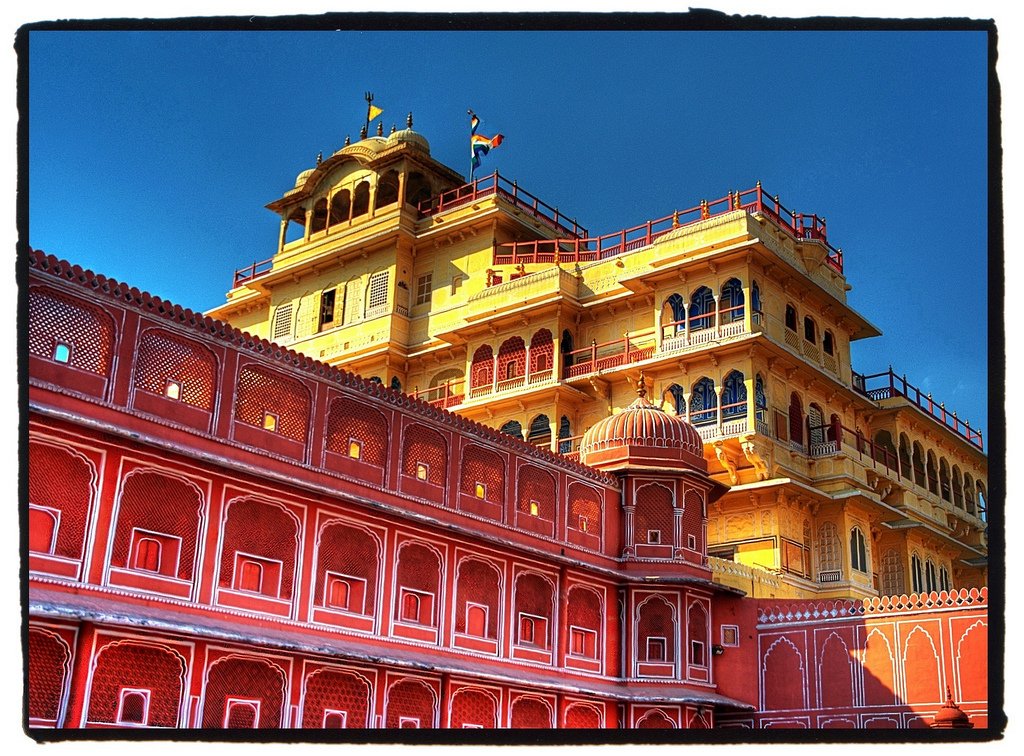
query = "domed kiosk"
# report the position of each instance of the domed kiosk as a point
(665, 483)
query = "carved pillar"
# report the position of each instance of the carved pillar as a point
(629, 545)
(718, 411)
(283, 234)
(307, 229)
(718, 313)
(659, 335)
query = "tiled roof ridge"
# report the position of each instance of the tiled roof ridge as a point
(154, 305)
(770, 611)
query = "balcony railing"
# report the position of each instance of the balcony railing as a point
(497, 185)
(888, 384)
(448, 394)
(580, 248)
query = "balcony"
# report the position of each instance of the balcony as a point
(882, 386)
(579, 248)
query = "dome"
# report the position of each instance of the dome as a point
(951, 715)
(643, 434)
(301, 178)
(411, 137)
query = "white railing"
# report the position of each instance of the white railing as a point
(830, 576)
(825, 449)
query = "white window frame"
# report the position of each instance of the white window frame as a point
(262, 561)
(145, 706)
(340, 712)
(664, 649)
(351, 580)
(56, 348)
(735, 629)
(585, 633)
(55, 513)
(487, 618)
(138, 534)
(656, 540)
(232, 702)
(403, 721)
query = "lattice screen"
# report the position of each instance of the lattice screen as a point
(693, 517)
(531, 713)
(536, 485)
(135, 665)
(482, 466)
(63, 481)
(261, 529)
(48, 664)
(584, 505)
(534, 595)
(163, 356)
(656, 621)
(236, 677)
(542, 351)
(482, 369)
(411, 698)
(56, 319)
(697, 625)
(512, 352)
(349, 420)
(478, 582)
(584, 609)
(260, 391)
(348, 550)
(162, 504)
(377, 291)
(582, 716)
(419, 568)
(473, 707)
(655, 720)
(653, 513)
(422, 445)
(335, 689)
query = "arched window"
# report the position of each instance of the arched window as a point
(540, 431)
(943, 476)
(134, 704)
(387, 189)
(566, 348)
(916, 574)
(319, 220)
(969, 492)
(147, 555)
(858, 551)
(918, 462)
(542, 349)
(815, 425)
(417, 189)
(513, 428)
(511, 359)
(810, 330)
(296, 227)
(703, 403)
(678, 310)
(341, 206)
(734, 396)
(482, 368)
(732, 301)
(564, 434)
(702, 309)
(791, 317)
(678, 399)
(931, 582)
(944, 584)
(892, 573)
(697, 629)
(760, 399)
(828, 343)
(906, 470)
(958, 488)
(361, 200)
(755, 301)
(796, 419)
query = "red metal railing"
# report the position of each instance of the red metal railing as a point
(496, 184)
(894, 385)
(448, 394)
(583, 249)
(839, 435)
(256, 269)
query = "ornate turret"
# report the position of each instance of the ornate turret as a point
(950, 716)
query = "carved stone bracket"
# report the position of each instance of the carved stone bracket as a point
(754, 455)
(727, 463)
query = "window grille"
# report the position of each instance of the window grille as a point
(916, 577)
(583, 610)
(327, 304)
(534, 596)
(56, 319)
(62, 481)
(333, 690)
(424, 287)
(282, 322)
(482, 474)
(410, 700)
(482, 370)
(584, 716)
(347, 550)
(697, 629)
(829, 554)
(49, 662)
(542, 351)
(528, 712)
(512, 358)
(350, 421)
(732, 301)
(419, 569)
(136, 666)
(377, 296)
(477, 583)
(858, 551)
(162, 504)
(931, 584)
(704, 403)
(259, 528)
(133, 707)
(584, 506)
(944, 584)
(260, 394)
(892, 574)
(176, 368)
(245, 678)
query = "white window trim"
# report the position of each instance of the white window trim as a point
(350, 579)
(139, 533)
(145, 707)
(263, 561)
(56, 513)
(232, 702)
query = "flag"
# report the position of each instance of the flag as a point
(373, 113)
(479, 145)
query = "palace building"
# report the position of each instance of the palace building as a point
(448, 461)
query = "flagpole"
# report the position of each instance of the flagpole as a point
(472, 157)
(369, 106)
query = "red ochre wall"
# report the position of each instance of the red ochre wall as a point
(879, 663)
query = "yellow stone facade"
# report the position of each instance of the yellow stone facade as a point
(389, 265)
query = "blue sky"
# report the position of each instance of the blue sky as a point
(151, 155)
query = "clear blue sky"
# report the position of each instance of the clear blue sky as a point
(152, 154)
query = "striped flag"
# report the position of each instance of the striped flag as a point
(479, 145)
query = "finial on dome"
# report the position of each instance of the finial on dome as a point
(380, 128)
(393, 128)
(348, 140)
(362, 133)
(641, 385)
(408, 120)
(319, 157)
